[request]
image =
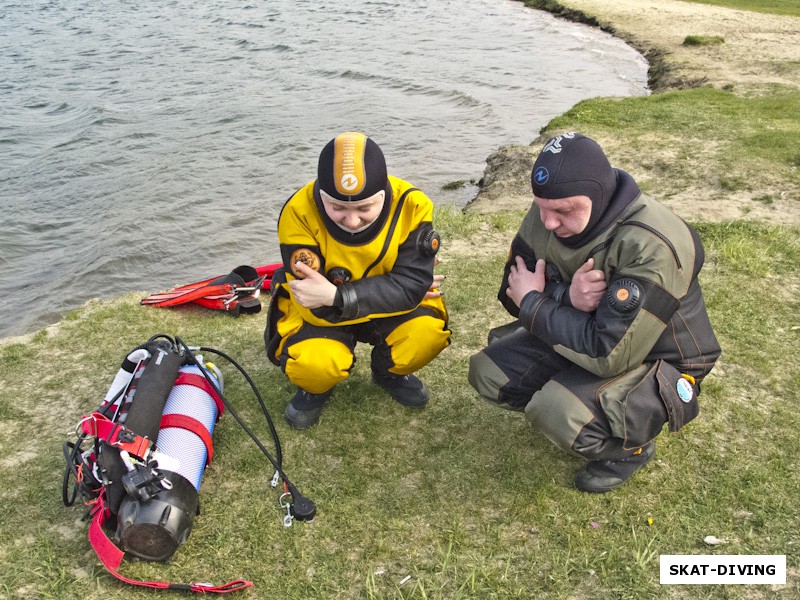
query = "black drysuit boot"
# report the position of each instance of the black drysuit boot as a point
(305, 408)
(600, 476)
(408, 390)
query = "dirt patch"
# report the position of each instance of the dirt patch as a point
(759, 51)
(480, 245)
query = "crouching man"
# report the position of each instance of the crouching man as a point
(613, 338)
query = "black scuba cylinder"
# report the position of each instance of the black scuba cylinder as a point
(144, 416)
(156, 515)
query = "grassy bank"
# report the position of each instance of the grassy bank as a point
(458, 500)
(718, 140)
(466, 500)
(778, 7)
(732, 153)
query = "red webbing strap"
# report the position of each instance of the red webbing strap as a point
(199, 381)
(99, 426)
(193, 425)
(111, 557)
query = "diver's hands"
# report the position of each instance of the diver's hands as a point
(585, 291)
(587, 287)
(314, 290)
(434, 291)
(521, 280)
(438, 280)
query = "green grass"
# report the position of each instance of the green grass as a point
(777, 7)
(738, 144)
(466, 500)
(703, 40)
(454, 185)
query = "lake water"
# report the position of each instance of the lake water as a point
(147, 144)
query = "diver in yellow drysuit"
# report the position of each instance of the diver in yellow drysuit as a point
(358, 248)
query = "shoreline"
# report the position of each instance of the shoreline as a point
(644, 25)
(758, 57)
(755, 44)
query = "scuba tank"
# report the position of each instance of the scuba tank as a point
(150, 385)
(154, 520)
(152, 440)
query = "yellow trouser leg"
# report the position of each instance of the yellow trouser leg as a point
(415, 343)
(318, 364)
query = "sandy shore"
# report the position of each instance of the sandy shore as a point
(760, 51)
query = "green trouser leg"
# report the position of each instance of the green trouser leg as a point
(565, 413)
(578, 411)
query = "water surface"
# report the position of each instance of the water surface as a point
(148, 144)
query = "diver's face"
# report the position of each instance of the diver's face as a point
(565, 217)
(353, 216)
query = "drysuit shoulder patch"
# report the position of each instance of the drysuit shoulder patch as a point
(624, 296)
(306, 256)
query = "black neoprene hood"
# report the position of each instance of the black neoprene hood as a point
(351, 168)
(572, 164)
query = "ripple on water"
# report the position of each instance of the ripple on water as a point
(161, 151)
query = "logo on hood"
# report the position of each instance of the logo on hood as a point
(554, 144)
(349, 182)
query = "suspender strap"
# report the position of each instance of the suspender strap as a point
(111, 557)
(395, 217)
(99, 426)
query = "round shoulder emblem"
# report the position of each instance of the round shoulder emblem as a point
(428, 243)
(685, 391)
(305, 256)
(624, 296)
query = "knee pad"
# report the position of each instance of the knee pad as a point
(415, 343)
(318, 364)
(486, 377)
(558, 414)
